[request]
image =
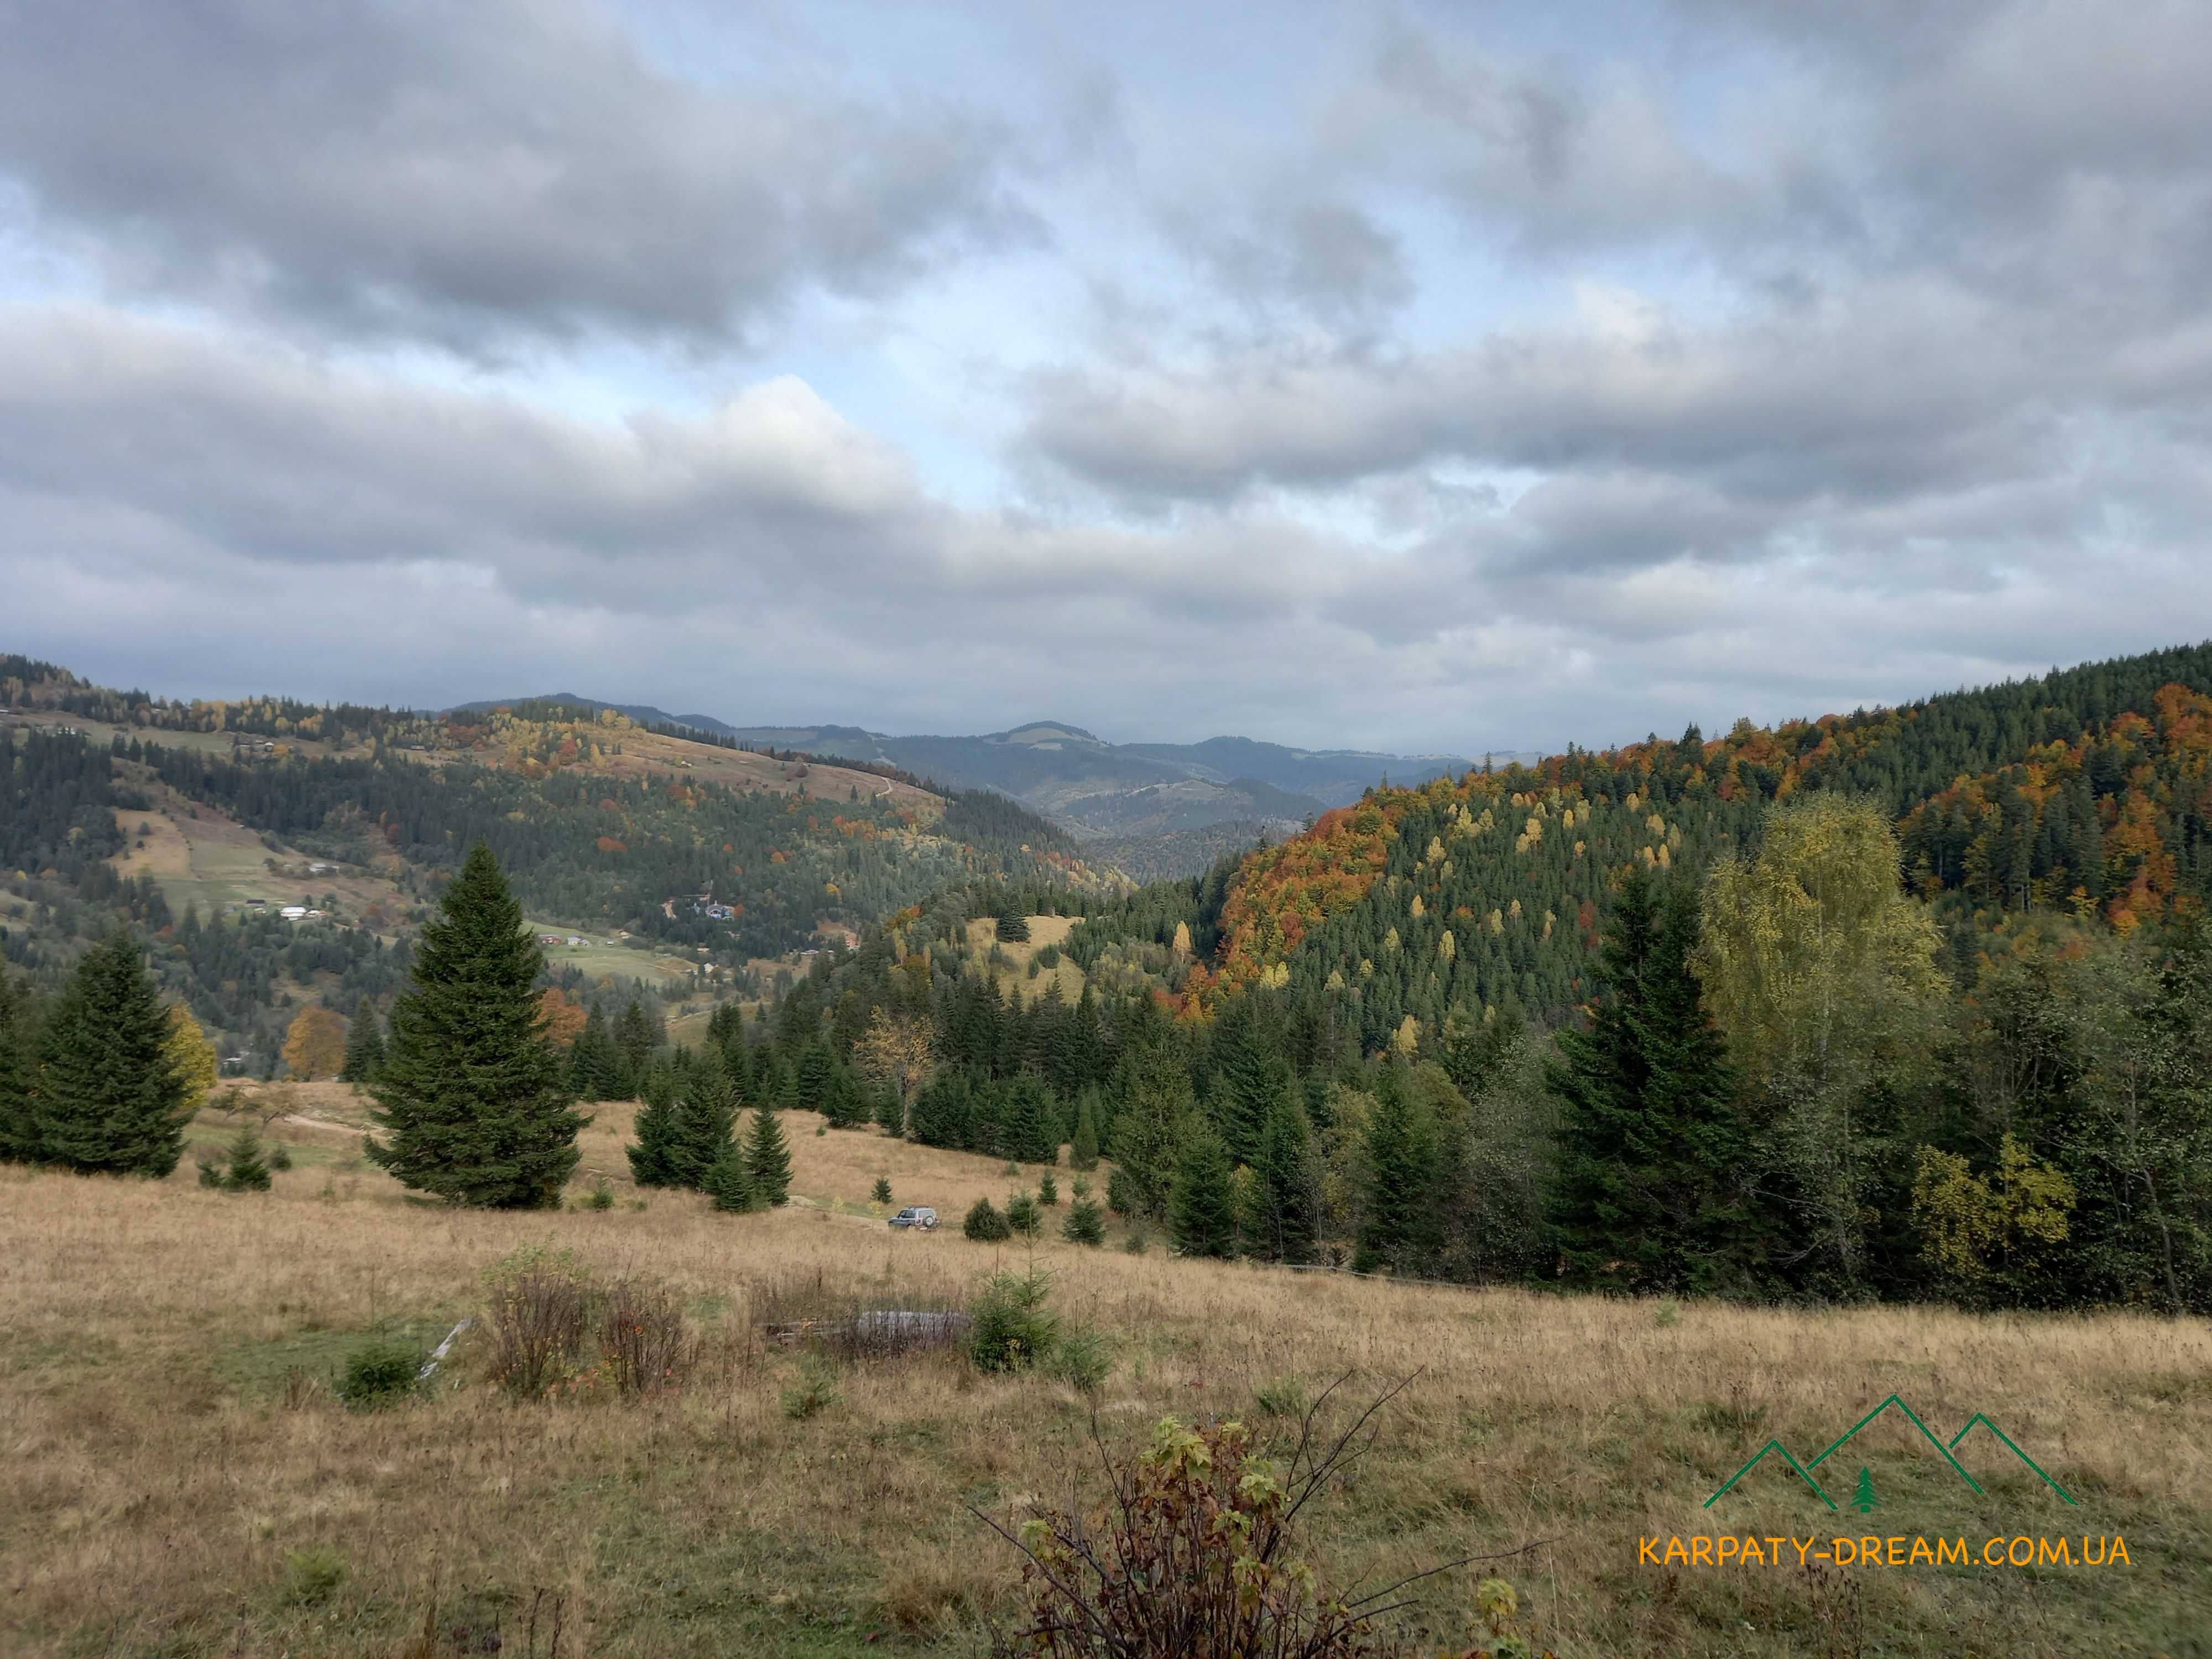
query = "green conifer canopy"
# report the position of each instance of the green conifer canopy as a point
(106, 1100)
(474, 1103)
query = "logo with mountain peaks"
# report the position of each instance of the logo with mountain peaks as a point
(1865, 1499)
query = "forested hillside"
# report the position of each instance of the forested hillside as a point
(1897, 1003)
(682, 850)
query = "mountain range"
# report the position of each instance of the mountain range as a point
(1098, 789)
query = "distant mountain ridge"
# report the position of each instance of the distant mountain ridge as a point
(643, 713)
(1095, 787)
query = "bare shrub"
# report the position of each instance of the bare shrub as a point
(544, 1316)
(643, 1341)
(1193, 1557)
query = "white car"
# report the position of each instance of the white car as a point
(915, 1216)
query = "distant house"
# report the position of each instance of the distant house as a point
(576, 940)
(294, 912)
(550, 939)
(320, 869)
(261, 902)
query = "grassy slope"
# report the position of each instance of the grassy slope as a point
(159, 1476)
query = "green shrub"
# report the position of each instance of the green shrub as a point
(1022, 1215)
(312, 1575)
(1082, 1358)
(985, 1224)
(244, 1170)
(1085, 1224)
(1047, 1189)
(1139, 1237)
(816, 1390)
(602, 1197)
(1013, 1329)
(280, 1156)
(380, 1371)
(882, 1192)
(1047, 956)
(1284, 1397)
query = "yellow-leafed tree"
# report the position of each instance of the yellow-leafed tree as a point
(314, 1047)
(190, 1055)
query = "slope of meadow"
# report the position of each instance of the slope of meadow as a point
(171, 1441)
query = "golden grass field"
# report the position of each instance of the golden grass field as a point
(168, 1443)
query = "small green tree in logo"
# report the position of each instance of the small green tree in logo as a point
(1866, 1502)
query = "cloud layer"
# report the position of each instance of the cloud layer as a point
(1433, 387)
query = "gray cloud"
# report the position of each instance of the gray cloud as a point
(469, 172)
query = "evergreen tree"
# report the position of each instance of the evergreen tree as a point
(728, 1182)
(1085, 1224)
(246, 1170)
(706, 1113)
(1652, 1152)
(1248, 1074)
(18, 1132)
(1288, 1195)
(984, 1224)
(473, 1101)
(595, 1065)
(107, 1099)
(1148, 1131)
(653, 1158)
(364, 1049)
(1082, 1151)
(816, 1071)
(1011, 926)
(637, 1034)
(768, 1160)
(1029, 1129)
(881, 1192)
(1205, 1219)
(1395, 1221)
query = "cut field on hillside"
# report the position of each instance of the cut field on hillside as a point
(200, 856)
(1017, 982)
(172, 1441)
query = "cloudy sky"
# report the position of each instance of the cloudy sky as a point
(1448, 378)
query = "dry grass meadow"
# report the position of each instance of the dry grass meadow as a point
(170, 1442)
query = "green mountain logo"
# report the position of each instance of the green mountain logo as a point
(1804, 1471)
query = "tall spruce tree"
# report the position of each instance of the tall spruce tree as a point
(364, 1049)
(816, 1068)
(18, 1133)
(706, 1112)
(1204, 1213)
(1652, 1151)
(768, 1160)
(1396, 1221)
(105, 1099)
(652, 1156)
(1289, 1194)
(637, 1034)
(1082, 1150)
(474, 1101)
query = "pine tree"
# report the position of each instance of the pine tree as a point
(1248, 1074)
(473, 1100)
(106, 1099)
(1029, 1130)
(637, 1034)
(768, 1160)
(1652, 1149)
(706, 1113)
(1288, 1195)
(1205, 1217)
(1395, 1221)
(1865, 1501)
(881, 1194)
(364, 1049)
(1011, 926)
(728, 1182)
